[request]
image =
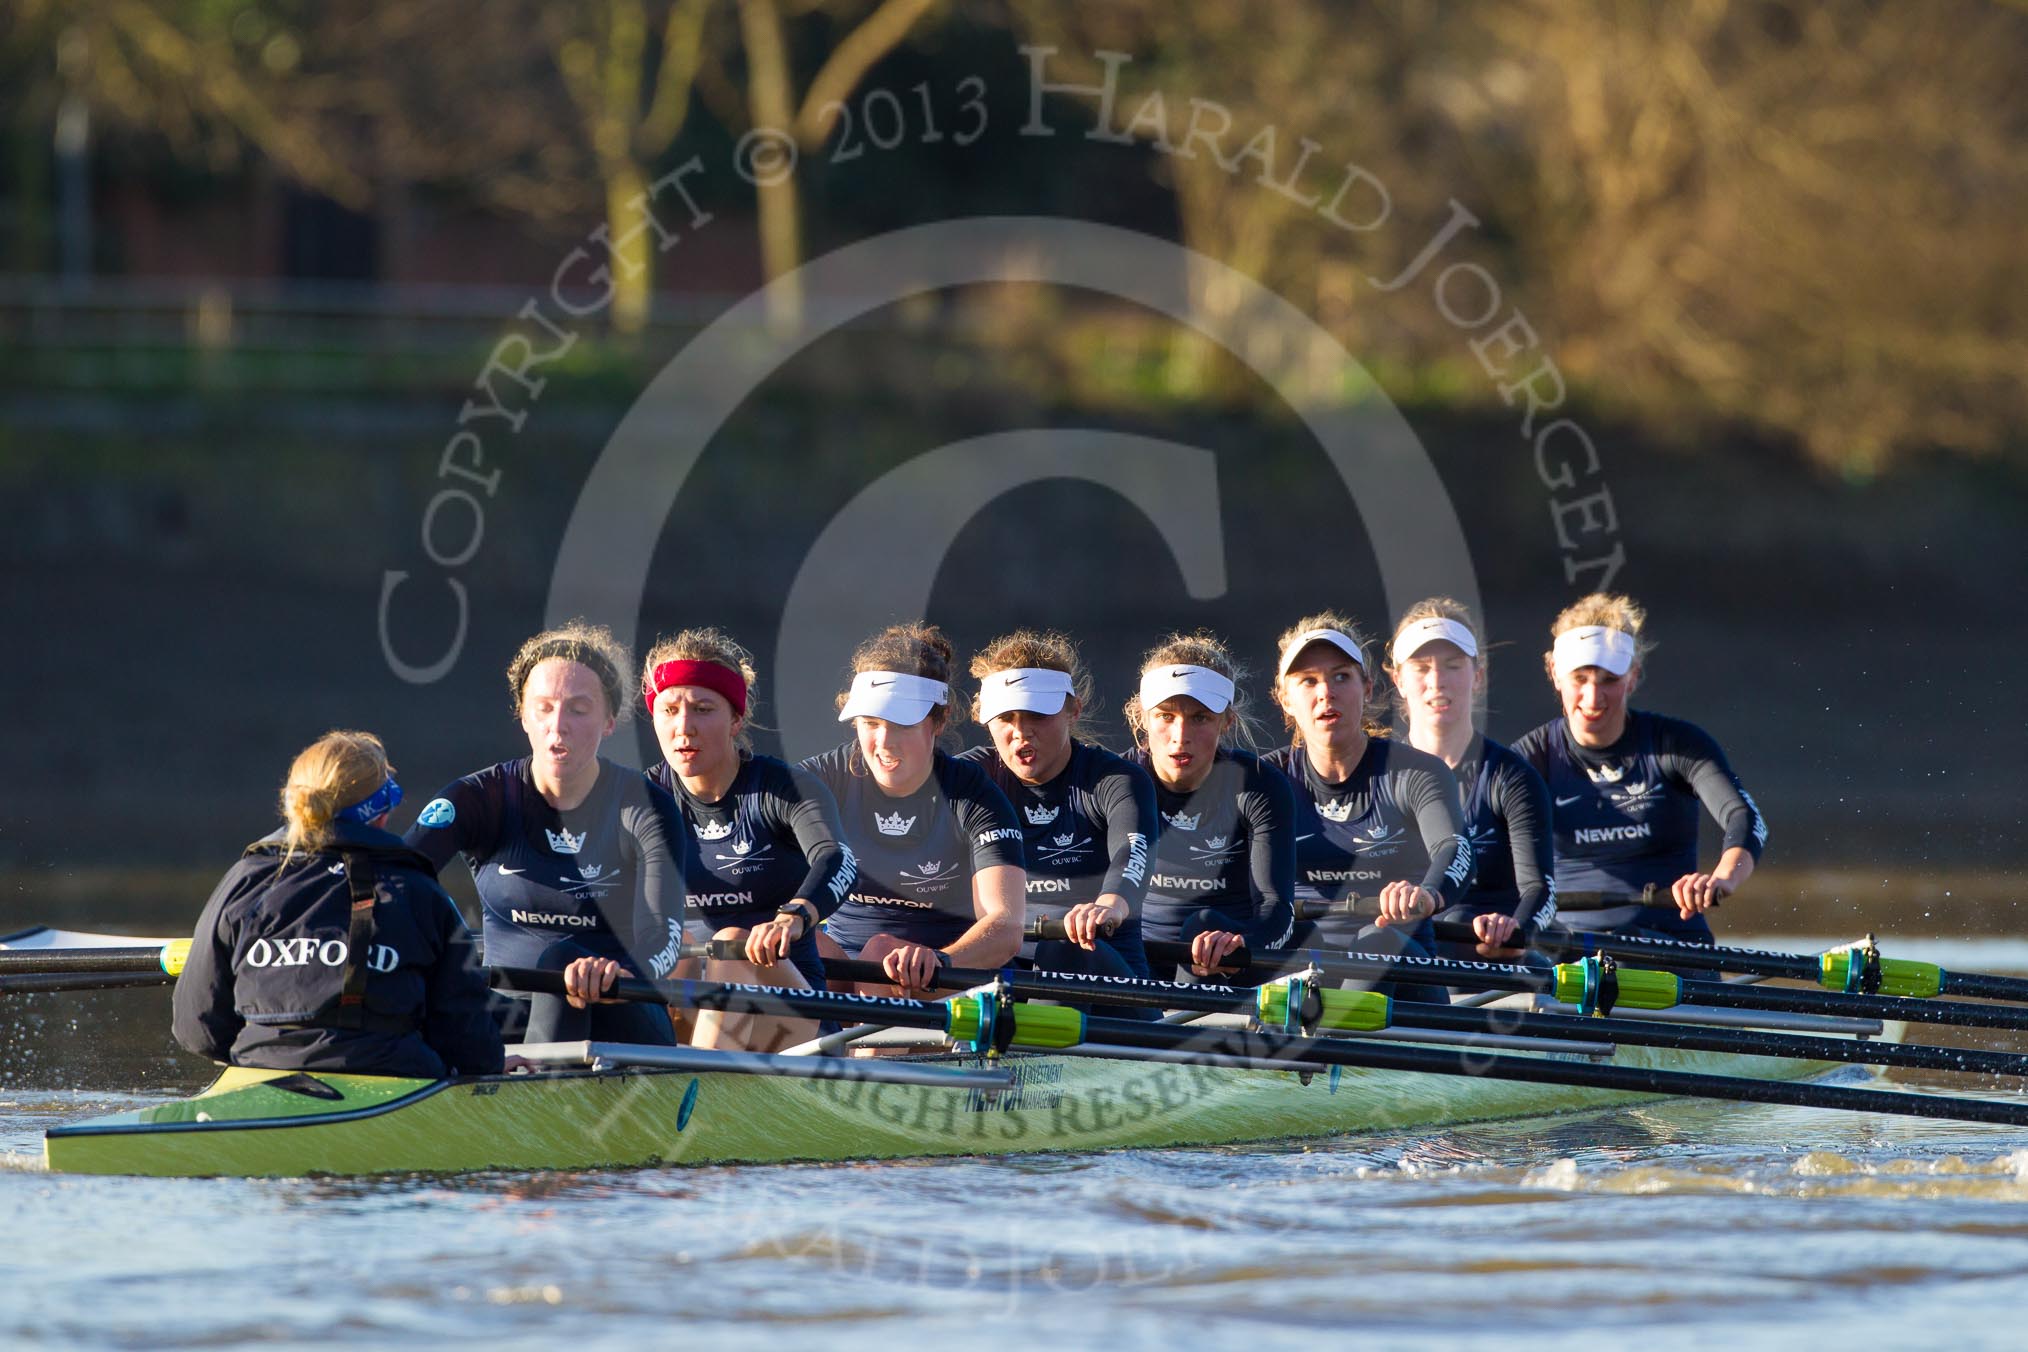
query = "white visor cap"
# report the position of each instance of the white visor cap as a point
(892, 696)
(1035, 690)
(1342, 642)
(1594, 645)
(1202, 684)
(1429, 631)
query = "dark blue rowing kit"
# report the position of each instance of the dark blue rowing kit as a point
(1395, 818)
(603, 880)
(1226, 856)
(346, 958)
(771, 839)
(1507, 818)
(1087, 833)
(916, 855)
(1626, 817)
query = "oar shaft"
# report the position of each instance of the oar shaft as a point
(25, 983)
(1409, 1014)
(1370, 966)
(1720, 958)
(1634, 1079)
(1354, 1053)
(51, 960)
(1075, 987)
(1980, 986)
(1720, 995)
(740, 999)
(1710, 994)
(1562, 943)
(1692, 1038)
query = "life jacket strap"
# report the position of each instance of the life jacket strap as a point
(359, 879)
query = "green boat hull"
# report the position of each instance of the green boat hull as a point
(257, 1123)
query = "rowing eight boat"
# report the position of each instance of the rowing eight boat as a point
(763, 1110)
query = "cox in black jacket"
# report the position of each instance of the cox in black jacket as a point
(264, 984)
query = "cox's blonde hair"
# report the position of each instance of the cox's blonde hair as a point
(339, 769)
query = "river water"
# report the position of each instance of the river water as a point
(1679, 1223)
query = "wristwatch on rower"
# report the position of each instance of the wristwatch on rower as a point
(800, 910)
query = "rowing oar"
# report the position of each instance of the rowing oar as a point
(1856, 970)
(988, 1025)
(83, 969)
(1310, 1009)
(1598, 984)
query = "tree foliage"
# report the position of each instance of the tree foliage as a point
(1801, 216)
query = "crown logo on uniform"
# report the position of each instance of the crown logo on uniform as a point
(897, 825)
(1064, 841)
(1606, 774)
(1182, 821)
(590, 871)
(1335, 812)
(1040, 816)
(1214, 842)
(714, 830)
(563, 842)
(930, 869)
(742, 847)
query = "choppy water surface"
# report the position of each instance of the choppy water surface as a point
(1693, 1222)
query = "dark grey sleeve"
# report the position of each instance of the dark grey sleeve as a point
(805, 808)
(1268, 805)
(204, 1011)
(1533, 748)
(1127, 797)
(1694, 758)
(989, 823)
(1432, 795)
(655, 824)
(1521, 800)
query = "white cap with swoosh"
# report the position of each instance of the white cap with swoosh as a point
(1035, 690)
(1594, 645)
(1202, 684)
(1431, 630)
(1341, 641)
(893, 696)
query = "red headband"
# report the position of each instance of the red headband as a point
(710, 675)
